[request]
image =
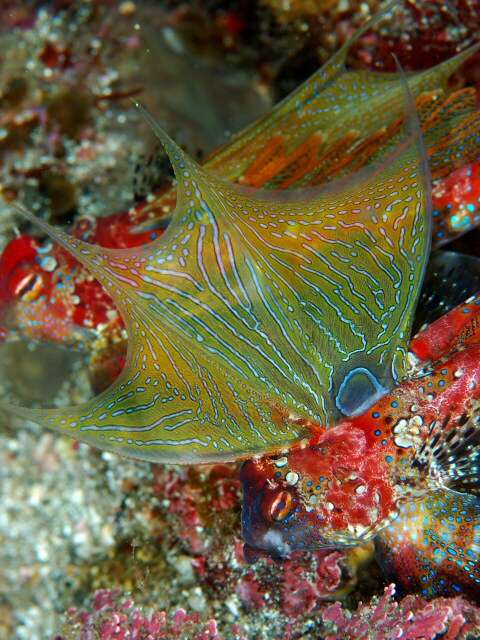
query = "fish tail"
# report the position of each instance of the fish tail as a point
(434, 545)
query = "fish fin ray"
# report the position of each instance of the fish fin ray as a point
(211, 276)
(250, 212)
(169, 405)
(453, 457)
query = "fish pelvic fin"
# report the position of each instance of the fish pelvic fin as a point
(433, 546)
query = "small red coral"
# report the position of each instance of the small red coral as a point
(111, 616)
(250, 592)
(413, 618)
(301, 591)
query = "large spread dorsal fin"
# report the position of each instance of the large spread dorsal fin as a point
(255, 316)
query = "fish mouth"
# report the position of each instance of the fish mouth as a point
(279, 540)
(271, 544)
(279, 545)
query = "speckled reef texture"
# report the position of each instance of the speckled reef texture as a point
(97, 546)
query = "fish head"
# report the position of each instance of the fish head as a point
(334, 493)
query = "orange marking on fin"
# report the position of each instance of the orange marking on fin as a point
(304, 160)
(452, 103)
(331, 154)
(265, 166)
(274, 160)
(366, 148)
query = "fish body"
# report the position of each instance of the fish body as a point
(404, 473)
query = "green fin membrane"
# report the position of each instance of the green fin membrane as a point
(253, 316)
(433, 546)
(248, 314)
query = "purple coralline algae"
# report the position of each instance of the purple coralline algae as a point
(113, 616)
(412, 618)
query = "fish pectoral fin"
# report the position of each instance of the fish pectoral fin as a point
(433, 546)
(453, 457)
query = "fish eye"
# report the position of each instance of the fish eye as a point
(281, 506)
